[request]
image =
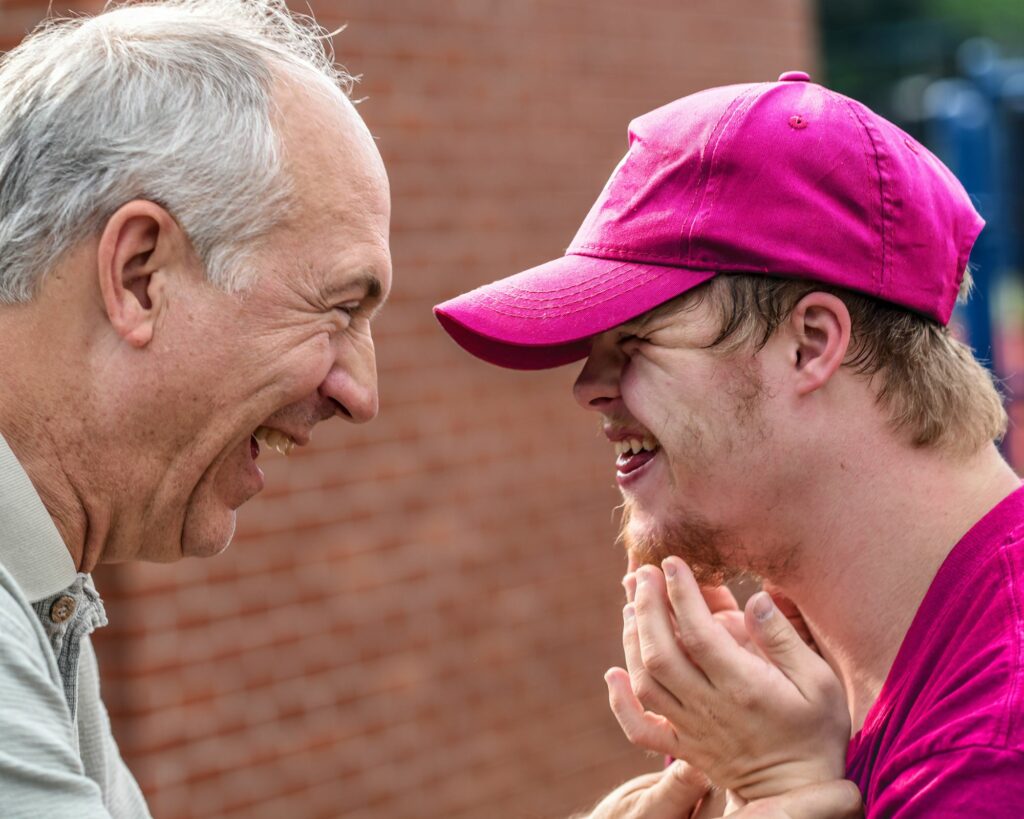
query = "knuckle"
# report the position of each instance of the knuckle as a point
(695, 641)
(645, 688)
(657, 662)
(743, 696)
(782, 637)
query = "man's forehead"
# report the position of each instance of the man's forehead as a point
(670, 310)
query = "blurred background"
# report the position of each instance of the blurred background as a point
(415, 617)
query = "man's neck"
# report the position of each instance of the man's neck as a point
(868, 561)
(38, 421)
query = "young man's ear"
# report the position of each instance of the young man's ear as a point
(137, 246)
(820, 327)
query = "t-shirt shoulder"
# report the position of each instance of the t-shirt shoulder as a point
(954, 697)
(964, 684)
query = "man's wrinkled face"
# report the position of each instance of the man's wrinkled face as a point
(294, 349)
(690, 437)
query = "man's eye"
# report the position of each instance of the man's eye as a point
(349, 308)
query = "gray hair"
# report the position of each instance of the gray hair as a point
(166, 101)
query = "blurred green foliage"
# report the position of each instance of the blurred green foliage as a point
(869, 45)
(1002, 20)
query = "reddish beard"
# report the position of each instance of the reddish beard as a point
(704, 547)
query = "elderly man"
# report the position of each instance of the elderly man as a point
(761, 294)
(193, 242)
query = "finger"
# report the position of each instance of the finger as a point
(791, 612)
(735, 623)
(647, 688)
(708, 645)
(780, 643)
(642, 728)
(838, 799)
(676, 794)
(719, 598)
(659, 647)
(629, 584)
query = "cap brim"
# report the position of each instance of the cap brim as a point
(546, 316)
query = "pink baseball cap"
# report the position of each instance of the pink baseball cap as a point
(782, 179)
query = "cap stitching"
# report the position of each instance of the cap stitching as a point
(497, 298)
(614, 274)
(705, 172)
(880, 160)
(742, 105)
(551, 313)
(620, 252)
(865, 131)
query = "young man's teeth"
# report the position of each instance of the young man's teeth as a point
(277, 441)
(635, 445)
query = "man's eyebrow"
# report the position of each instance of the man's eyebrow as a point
(365, 280)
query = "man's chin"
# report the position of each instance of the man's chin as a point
(206, 535)
(702, 546)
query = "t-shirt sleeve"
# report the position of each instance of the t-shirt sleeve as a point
(972, 781)
(40, 771)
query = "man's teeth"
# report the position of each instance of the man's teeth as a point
(635, 445)
(275, 439)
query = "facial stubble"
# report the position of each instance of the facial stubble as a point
(715, 553)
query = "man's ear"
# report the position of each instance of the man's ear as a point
(139, 243)
(820, 328)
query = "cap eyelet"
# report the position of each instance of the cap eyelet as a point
(798, 122)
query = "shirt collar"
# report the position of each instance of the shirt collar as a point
(31, 548)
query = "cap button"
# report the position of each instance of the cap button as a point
(794, 76)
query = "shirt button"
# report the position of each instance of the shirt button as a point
(794, 76)
(62, 609)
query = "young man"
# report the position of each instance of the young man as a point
(761, 294)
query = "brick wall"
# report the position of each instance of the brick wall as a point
(416, 615)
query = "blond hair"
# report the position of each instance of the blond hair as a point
(935, 392)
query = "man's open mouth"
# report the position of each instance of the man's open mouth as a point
(273, 438)
(633, 453)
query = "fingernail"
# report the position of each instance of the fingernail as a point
(629, 612)
(763, 606)
(629, 584)
(669, 568)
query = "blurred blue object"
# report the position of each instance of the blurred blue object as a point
(975, 124)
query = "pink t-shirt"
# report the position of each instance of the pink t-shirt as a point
(946, 736)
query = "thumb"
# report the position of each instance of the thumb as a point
(772, 632)
(676, 794)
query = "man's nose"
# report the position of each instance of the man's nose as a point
(597, 386)
(351, 384)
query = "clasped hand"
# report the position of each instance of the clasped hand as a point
(738, 696)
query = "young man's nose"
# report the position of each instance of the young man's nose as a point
(597, 386)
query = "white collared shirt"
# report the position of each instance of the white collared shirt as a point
(58, 756)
